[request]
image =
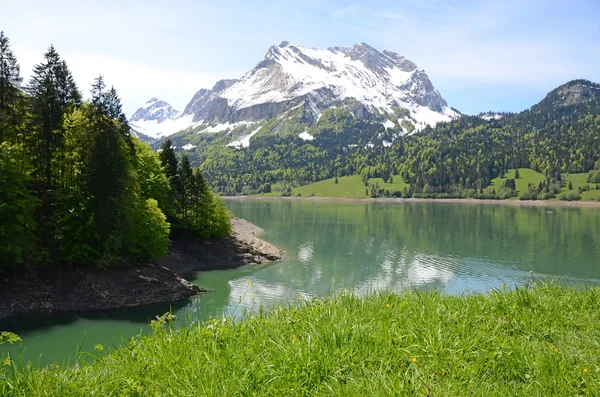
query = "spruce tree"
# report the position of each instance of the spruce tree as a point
(107, 172)
(53, 93)
(10, 81)
(186, 181)
(168, 159)
(517, 175)
(169, 162)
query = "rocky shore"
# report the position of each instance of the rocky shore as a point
(129, 285)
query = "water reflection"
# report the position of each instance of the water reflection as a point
(365, 247)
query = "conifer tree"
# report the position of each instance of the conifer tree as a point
(53, 93)
(107, 171)
(169, 162)
(10, 81)
(186, 181)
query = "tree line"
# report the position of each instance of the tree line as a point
(76, 186)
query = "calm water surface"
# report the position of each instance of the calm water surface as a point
(358, 246)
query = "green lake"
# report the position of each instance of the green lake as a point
(332, 246)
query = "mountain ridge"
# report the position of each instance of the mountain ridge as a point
(289, 76)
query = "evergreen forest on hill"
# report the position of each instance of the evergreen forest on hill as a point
(454, 159)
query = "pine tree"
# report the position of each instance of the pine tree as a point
(517, 175)
(107, 173)
(168, 159)
(53, 93)
(186, 180)
(10, 81)
(169, 162)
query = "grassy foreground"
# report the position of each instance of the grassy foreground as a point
(525, 342)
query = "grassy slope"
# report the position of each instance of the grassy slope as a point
(528, 175)
(352, 186)
(579, 180)
(347, 187)
(526, 342)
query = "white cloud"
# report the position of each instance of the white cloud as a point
(135, 82)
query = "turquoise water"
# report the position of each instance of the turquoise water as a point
(358, 246)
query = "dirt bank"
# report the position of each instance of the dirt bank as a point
(129, 285)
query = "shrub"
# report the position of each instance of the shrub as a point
(570, 196)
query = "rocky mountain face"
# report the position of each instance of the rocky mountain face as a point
(572, 93)
(383, 87)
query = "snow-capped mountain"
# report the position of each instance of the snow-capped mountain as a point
(148, 118)
(384, 86)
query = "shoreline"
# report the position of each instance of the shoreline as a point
(81, 290)
(523, 203)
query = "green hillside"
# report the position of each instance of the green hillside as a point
(347, 187)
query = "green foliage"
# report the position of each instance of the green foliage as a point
(17, 210)
(151, 175)
(78, 231)
(570, 196)
(10, 80)
(75, 186)
(52, 94)
(9, 337)
(594, 177)
(527, 341)
(149, 231)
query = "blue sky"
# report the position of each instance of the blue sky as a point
(481, 55)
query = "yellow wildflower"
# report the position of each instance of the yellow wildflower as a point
(556, 350)
(249, 282)
(388, 305)
(414, 359)
(585, 371)
(514, 307)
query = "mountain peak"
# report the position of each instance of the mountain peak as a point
(291, 76)
(154, 110)
(572, 93)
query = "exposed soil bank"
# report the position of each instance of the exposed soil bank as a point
(524, 203)
(159, 281)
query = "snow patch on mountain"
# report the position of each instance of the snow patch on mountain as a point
(245, 141)
(305, 136)
(388, 124)
(156, 129)
(290, 76)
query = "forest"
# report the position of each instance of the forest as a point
(454, 159)
(77, 188)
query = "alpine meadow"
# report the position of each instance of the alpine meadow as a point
(398, 199)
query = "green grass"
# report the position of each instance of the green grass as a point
(580, 180)
(525, 342)
(527, 176)
(347, 187)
